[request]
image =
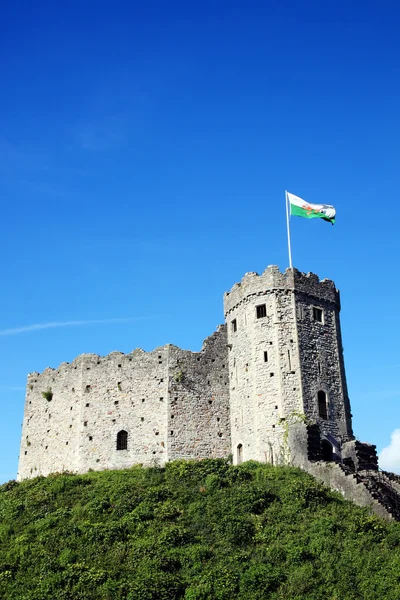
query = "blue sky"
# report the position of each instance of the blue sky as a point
(144, 153)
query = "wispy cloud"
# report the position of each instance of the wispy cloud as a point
(58, 324)
(13, 388)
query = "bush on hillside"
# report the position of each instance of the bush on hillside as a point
(194, 530)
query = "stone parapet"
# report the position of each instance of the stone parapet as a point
(253, 284)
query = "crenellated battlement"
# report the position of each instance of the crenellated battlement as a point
(253, 284)
(86, 360)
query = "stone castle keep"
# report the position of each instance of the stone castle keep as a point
(268, 385)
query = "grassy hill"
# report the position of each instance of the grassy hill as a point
(194, 530)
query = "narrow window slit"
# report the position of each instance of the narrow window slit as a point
(122, 440)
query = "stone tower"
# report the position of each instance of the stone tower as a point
(288, 393)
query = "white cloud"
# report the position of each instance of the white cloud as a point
(56, 324)
(389, 458)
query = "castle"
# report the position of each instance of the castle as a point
(268, 385)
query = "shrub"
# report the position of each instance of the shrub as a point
(48, 395)
(198, 530)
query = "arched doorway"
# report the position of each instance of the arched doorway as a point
(327, 451)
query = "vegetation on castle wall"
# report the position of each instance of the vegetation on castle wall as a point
(194, 530)
(48, 395)
(179, 376)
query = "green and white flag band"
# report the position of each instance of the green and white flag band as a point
(301, 208)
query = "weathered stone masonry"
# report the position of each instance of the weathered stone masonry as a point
(260, 380)
(172, 403)
(284, 335)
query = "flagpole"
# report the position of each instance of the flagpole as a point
(288, 229)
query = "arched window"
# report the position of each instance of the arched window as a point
(122, 440)
(322, 405)
(239, 454)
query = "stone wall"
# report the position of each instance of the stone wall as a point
(322, 367)
(198, 413)
(347, 485)
(166, 415)
(93, 399)
(50, 429)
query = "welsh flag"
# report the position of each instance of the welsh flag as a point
(301, 208)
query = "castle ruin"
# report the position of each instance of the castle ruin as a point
(268, 385)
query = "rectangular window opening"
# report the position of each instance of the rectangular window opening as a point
(265, 356)
(261, 311)
(318, 314)
(234, 325)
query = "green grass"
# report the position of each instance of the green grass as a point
(194, 530)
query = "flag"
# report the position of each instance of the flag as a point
(301, 208)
